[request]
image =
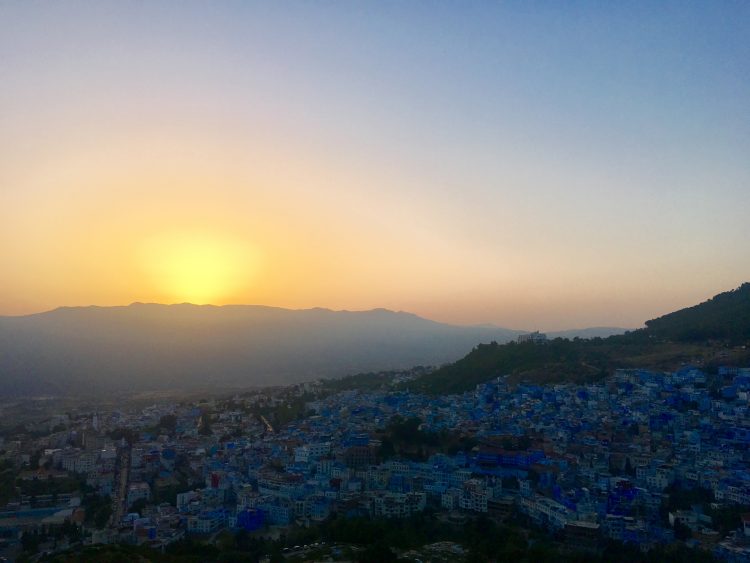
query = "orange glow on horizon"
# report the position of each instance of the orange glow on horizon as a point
(199, 268)
(301, 157)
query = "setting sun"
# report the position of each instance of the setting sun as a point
(199, 268)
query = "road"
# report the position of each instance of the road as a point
(264, 420)
(120, 496)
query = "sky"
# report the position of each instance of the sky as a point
(536, 165)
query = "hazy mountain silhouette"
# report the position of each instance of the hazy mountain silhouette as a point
(150, 346)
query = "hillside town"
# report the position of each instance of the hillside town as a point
(642, 458)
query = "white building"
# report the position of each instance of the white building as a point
(474, 496)
(535, 337)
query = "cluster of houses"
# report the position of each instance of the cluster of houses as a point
(586, 462)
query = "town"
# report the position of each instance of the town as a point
(640, 458)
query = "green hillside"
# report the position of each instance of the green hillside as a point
(725, 317)
(707, 335)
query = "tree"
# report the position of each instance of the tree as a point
(377, 552)
(98, 510)
(204, 427)
(728, 518)
(30, 542)
(681, 531)
(138, 506)
(511, 483)
(130, 435)
(168, 422)
(629, 469)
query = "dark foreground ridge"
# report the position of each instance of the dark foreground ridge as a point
(709, 334)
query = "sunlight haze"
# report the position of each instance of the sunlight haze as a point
(468, 163)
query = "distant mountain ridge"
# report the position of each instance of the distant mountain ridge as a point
(666, 342)
(146, 346)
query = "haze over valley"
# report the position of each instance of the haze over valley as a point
(73, 350)
(147, 346)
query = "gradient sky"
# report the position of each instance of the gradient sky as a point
(535, 165)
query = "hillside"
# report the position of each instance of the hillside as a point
(703, 335)
(725, 317)
(145, 347)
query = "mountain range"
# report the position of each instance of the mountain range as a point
(146, 346)
(92, 350)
